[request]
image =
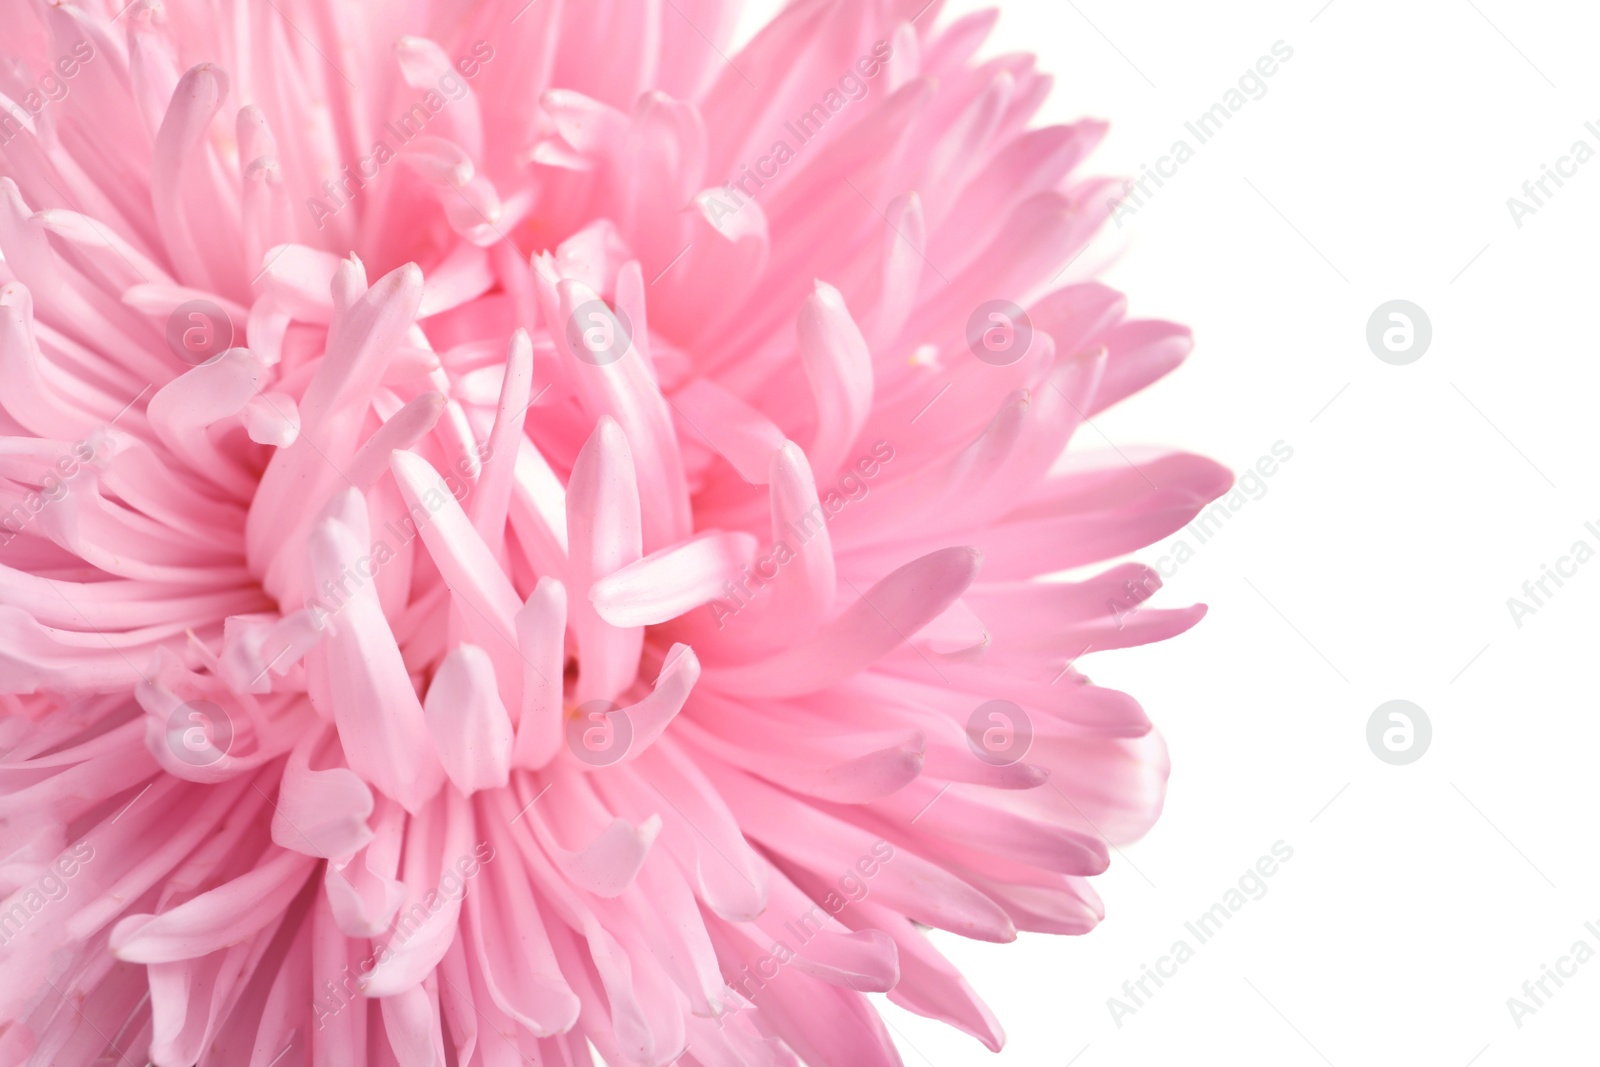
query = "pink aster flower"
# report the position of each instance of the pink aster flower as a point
(520, 530)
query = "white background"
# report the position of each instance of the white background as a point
(1379, 562)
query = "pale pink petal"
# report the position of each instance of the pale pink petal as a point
(468, 722)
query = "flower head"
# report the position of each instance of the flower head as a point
(520, 530)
